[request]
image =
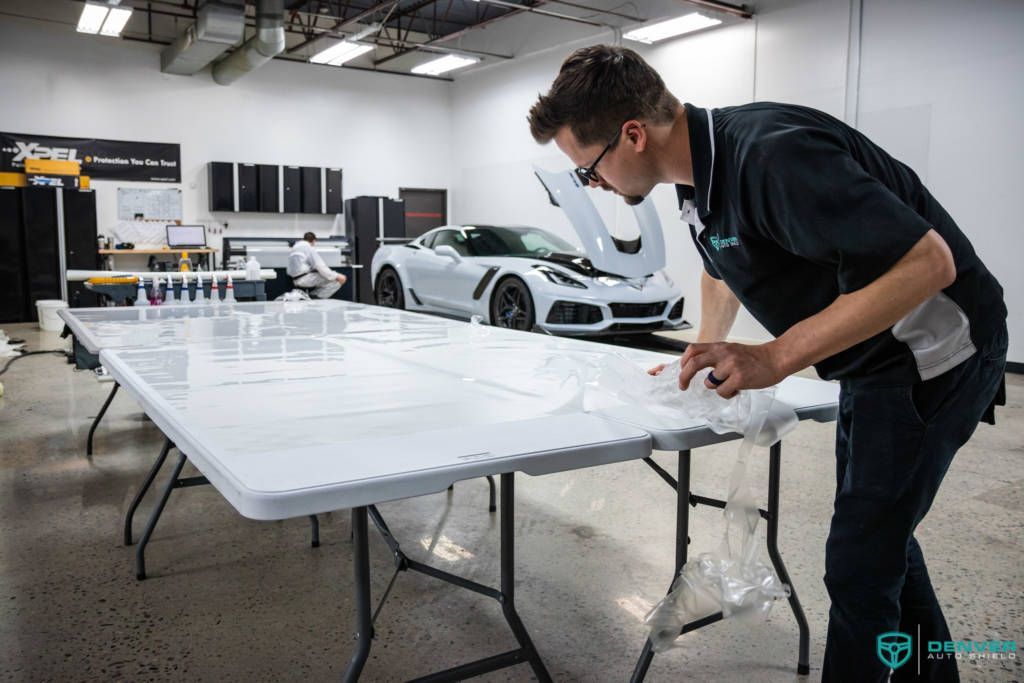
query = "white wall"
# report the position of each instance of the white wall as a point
(385, 131)
(939, 87)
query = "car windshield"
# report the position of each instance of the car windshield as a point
(495, 241)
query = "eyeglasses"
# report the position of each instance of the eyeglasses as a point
(589, 175)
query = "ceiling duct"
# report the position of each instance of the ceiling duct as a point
(219, 25)
(258, 50)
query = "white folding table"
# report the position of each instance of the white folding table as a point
(167, 325)
(353, 406)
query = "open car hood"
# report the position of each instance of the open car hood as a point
(628, 258)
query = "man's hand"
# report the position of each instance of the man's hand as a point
(342, 279)
(738, 366)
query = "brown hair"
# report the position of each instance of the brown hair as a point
(597, 89)
(309, 237)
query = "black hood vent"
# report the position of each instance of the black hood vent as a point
(578, 264)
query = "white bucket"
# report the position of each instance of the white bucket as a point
(47, 312)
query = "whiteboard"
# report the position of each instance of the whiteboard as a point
(152, 204)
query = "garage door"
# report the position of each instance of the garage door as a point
(425, 209)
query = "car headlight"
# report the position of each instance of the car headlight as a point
(609, 281)
(560, 278)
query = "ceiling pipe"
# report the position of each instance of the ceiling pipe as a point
(736, 10)
(544, 12)
(217, 26)
(268, 42)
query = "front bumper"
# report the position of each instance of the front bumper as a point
(585, 318)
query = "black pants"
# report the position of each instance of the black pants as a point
(893, 447)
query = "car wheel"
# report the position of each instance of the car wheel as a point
(388, 291)
(512, 305)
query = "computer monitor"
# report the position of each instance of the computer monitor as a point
(181, 236)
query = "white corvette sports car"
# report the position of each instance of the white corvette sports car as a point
(526, 278)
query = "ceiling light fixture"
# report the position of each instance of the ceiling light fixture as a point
(107, 19)
(92, 17)
(339, 53)
(436, 67)
(671, 28)
(116, 20)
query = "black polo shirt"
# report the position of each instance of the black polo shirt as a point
(791, 208)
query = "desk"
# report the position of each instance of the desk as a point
(248, 399)
(206, 253)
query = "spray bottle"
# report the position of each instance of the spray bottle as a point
(141, 299)
(229, 292)
(155, 299)
(169, 297)
(200, 294)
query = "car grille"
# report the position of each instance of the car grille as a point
(572, 313)
(677, 311)
(635, 327)
(637, 310)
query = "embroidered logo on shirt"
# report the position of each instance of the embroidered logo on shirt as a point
(719, 242)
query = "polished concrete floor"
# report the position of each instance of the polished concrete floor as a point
(230, 599)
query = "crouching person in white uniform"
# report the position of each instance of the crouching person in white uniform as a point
(308, 270)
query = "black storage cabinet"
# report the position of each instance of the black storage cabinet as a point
(29, 248)
(311, 193)
(80, 230)
(292, 200)
(269, 180)
(333, 181)
(13, 298)
(248, 188)
(364, 229)
(39, 232)
(221, 175)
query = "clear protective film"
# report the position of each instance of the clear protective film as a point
(284, 397)
(731, 580)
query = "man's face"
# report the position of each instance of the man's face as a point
(618, 170)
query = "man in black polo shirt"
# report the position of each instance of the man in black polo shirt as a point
(844, 256)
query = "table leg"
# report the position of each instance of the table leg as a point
(364, 623)
(99, 416)
(142, 491)
(140, 552)
(803, 666)
(490, 482)
(525, 653)
(314, 530)
(508, 577)
(682, 540)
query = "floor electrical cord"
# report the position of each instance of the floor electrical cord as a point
(30, 353)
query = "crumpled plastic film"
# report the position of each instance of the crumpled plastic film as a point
(751, 413)
(731, 580)
(7, 348)
(294, 295)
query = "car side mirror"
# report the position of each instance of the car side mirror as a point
(449, 251)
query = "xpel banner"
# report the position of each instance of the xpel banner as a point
(157, 162)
